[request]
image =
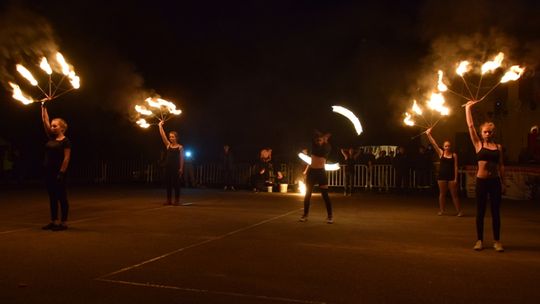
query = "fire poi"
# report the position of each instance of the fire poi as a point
(155, 110)
(350, 115)
(327, 167)
(55, 84)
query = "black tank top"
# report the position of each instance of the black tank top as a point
(321, 151)
(446, 168)
(172, 158)
(491, 156)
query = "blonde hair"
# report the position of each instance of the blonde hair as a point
(63, 124)
(487, 124)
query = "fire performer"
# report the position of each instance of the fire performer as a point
(317, 175)
(174, 164)
(489, 177)
(58, 154)
(447, 177)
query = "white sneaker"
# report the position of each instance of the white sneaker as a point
(478, 246)
(498, 246)
(303, 219)
(329, 220)
(460, 214)
(440, 213)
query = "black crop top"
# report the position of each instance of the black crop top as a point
(321, 151)
(491, 156)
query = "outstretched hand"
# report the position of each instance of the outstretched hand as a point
(470, 103)
(161, 123)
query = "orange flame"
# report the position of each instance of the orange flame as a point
(490, 66)
(440, 85)
(68, 71)
(44, 65)
(436, 103)
(513, 74)
(143, 110)
(142, 123)
(19, 95)
(26, 74)
(408, 120)
(416, 109)
(463, 68)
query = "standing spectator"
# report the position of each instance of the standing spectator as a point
(349, 162)
(228, 167)
(401, 167)
(263, 170)
(174, 164)
(422, 168)
(57, 157)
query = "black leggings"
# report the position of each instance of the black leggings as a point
(491, 187)
(317, 176)
(57, 194)
(349, 178)
(172, 181)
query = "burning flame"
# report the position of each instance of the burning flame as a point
(491, 66)
(63, 64)
(158, 103)
(513, 74)
(408, 120)
(142, 123)
(463, 68)
(441, 86)
(436, 103)
(142, 110)
(416, 109)
(19, 95)
(26, 74)
(44, 65)
(350, 115)
(68, 71)
(327, 167)
(302, 187)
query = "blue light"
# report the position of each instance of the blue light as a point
(187, 154)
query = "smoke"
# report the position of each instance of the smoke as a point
(24, 38)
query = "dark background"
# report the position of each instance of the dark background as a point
(252, 74)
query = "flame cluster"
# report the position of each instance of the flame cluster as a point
(53, 89)
(513, 73)
(435, 103)
(155, 108)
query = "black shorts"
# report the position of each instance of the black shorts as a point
(316, 177)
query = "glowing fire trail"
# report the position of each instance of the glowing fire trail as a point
(350, 115)
(327, 167)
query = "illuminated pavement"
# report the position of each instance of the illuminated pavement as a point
(123, 246)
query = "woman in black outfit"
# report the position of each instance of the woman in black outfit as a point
(317, 175)
(489, 178)
(57, 156)
(174, 164)
(448, 174)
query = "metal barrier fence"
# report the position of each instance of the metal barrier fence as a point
(375, 176)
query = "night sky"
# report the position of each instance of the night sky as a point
(250, 73)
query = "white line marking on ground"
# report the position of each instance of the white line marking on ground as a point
(196, 245)
(225, 293)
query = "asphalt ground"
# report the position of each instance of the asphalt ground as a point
(124, 246)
